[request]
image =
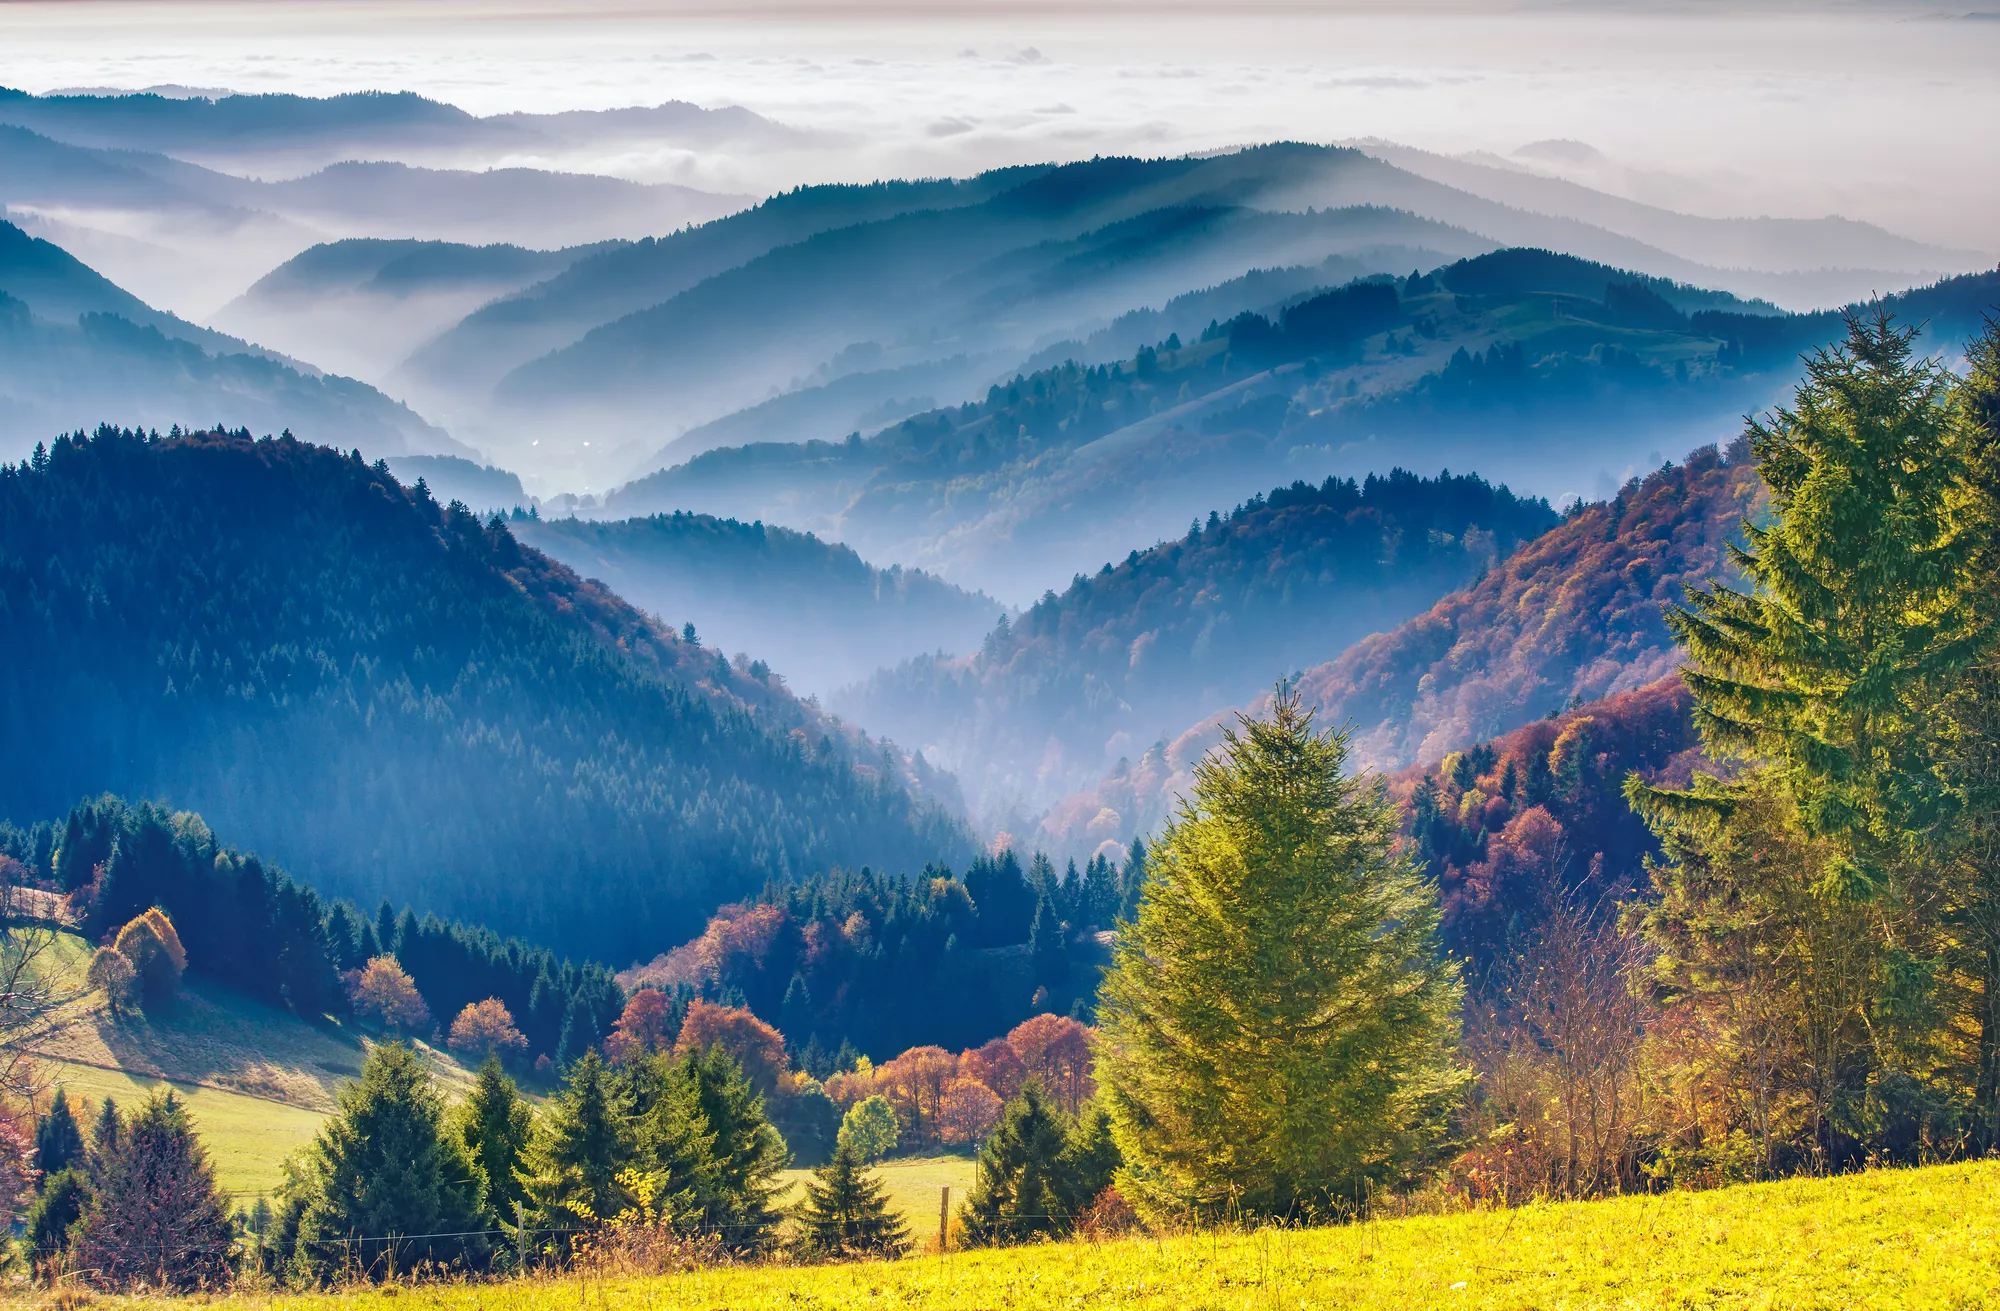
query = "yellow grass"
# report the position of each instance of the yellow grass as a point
(913, 1184)
(1913, 1240)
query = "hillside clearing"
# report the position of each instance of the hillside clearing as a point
(1914, 1240)
(258, 1081)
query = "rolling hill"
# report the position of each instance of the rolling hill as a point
(363, 305)
(1576, 615)
(393, 698)
(818, 613)
(1086, 677)
(1004, 263)
(79, 348)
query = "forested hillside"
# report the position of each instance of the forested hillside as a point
(1099, 671)
(251, 927)
(1552, 373)
(814, 611)
(1575, 615)
(394, 698)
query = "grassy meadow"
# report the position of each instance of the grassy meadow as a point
(1901, 1240)
(258, 1081)
(913, 1184)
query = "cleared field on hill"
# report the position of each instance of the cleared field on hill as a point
(1912, 1240)
(913, 1184)
(258, 1081)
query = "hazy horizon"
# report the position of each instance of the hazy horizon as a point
(1781, 110)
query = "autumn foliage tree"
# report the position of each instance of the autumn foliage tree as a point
(383, 991)
(751, 1043)
(648, 1026)
(486, 1028)
(158, 959)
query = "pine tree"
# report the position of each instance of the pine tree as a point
(61, 1203)
(795, 1018)
(1828, 666)
(673, 1144)
(1132, 882)
(104, 1134)
(749, 1154)
(155, 1217)
(1278, 1023)
(58, 1140)
(1972, 730)
(1048, 945)
(847, 1213)
(1017, 1193)
(384, 1167)
(494, 1125)
(581, 1144)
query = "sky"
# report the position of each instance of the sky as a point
(1884, 112)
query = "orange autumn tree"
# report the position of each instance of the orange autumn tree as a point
(997, 1065)
(967, 1113)
(1057, 1050)
(382, 990)
(914, 1083)
(486, 1028)
(645, 1028)
(757, 1047)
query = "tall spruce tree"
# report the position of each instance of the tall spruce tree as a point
(155, 1217)
(846, 1213)
(494, 1126)
(582, 1143)
(1279, 1022)
(1972, 729)
(748, 1151)
(1018, 1192)
(673, 1145)
(384, 1186)
(1828, 666)
(58, 1140)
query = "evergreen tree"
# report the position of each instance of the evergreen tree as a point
(494, 1125)
(61, 1203)
(749, 1154)
(58, 1140)
(155, 1216)
(581, 1144)
(1278, 1023)
(1048, 945)
(1972, 731)
(1132, 882)
(384, 1167)
(847, 1213)
(104, 1136)
(1018, 1192)
(1828, 666)
(673, 1144)
(795, 1014)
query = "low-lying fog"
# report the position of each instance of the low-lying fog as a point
(1888, 112)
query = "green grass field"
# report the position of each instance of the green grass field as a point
(258, 1081)
(913, 1183)
(1906, 1240)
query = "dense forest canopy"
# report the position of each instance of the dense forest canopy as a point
(396, 699)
